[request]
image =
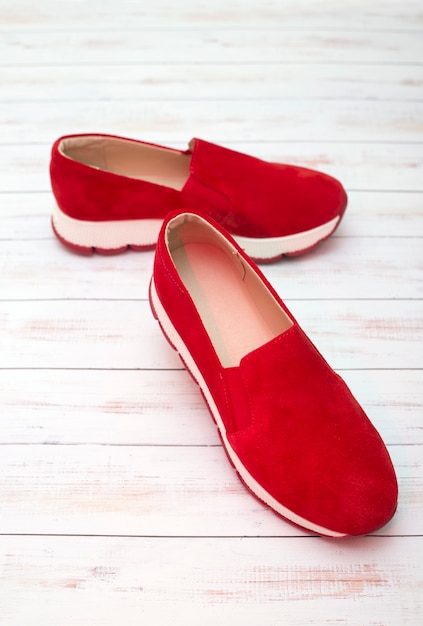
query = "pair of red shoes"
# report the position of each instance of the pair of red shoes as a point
(290, 426)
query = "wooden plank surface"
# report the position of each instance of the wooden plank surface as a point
(212, 581)
(129, 407)
(206, 45)
(383, 259)
(123, 334)
(118, 503)
(226, 120)
(363, 166)
(257, 81)
(165, 15)
(158, 490)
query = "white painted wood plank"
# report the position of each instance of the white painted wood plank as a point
(114, 407)
(365, 334)
(350, 267)
(343, 267)
(26, 216)
(123, 334)
(257, 82)
(382, 214)
(360, 166)
(159, 491)
(393, 399)
(102, 581)
(99, 334)
(317, 15)
(305, 120)
(24, 213)
(193, 45)
(19, 228)
(125, 276)
(130, 407)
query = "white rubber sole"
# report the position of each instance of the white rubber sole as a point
(175, 340)
(269, 248)
(117, 235)
(107, 236)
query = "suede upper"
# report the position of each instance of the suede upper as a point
(254, 198)
(291, 420)
(248, 196)
(88, 193)
(309, 440)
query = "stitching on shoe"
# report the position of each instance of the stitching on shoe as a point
(274, 341)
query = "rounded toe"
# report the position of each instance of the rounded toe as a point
(307, 199)
(369, 501)
(322, 196)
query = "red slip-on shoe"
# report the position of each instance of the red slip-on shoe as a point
(113, 193)
(290, 426)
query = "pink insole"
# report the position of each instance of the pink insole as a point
(238, 317)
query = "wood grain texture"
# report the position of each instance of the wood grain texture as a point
(118, 505)
(164, 15)
(190, 80)
(249, 580)
(373, 268)
(225, 120)
(129, 407)
(123, 334)
(158, 490)
(188, 45)
(388, 167)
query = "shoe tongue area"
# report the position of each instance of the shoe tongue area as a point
(277, 352)
(289, 363)
(198, 149)
(206, 186)
(224, 183)
(209, 160)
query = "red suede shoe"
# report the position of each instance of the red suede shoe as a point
(290, 426)
(113, 193)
